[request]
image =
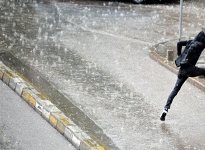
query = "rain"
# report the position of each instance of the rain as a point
(92, 59)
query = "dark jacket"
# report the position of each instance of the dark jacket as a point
(192, 51)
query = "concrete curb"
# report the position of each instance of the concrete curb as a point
(198, 82)
(79, 138)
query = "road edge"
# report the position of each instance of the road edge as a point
(41, 104)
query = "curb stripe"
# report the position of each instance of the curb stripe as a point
(79, 138)
(13, 82)
(29, 97)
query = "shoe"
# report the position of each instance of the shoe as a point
(163, 115)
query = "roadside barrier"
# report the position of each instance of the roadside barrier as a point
(79, 138)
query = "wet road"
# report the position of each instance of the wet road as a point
(96, 55)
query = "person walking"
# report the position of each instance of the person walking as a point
(186, 60)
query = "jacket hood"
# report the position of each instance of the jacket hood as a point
(200, 37)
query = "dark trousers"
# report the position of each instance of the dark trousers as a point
(183, 74)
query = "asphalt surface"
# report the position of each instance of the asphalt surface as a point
(22, 128)
(97, 56)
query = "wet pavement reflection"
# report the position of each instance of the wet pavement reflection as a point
(70, 51)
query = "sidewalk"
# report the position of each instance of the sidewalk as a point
(158, 53)
(22, 128)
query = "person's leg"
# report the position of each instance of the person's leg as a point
(177, 87)
(197, 72)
